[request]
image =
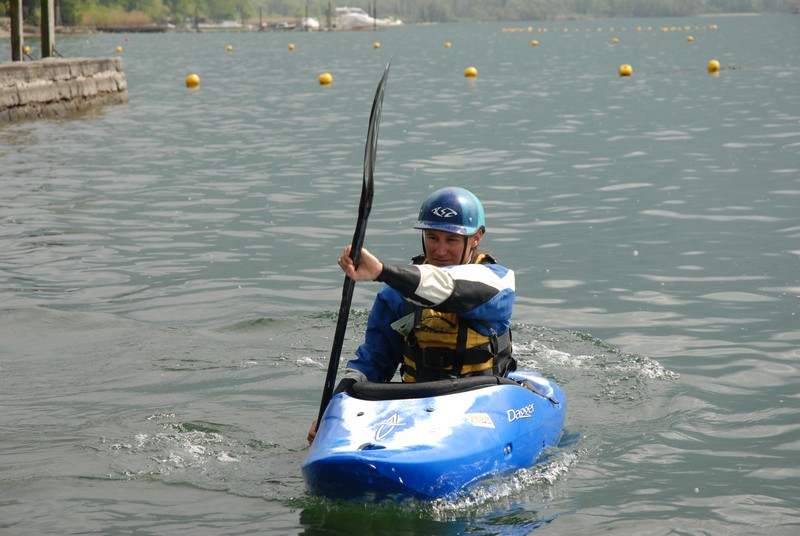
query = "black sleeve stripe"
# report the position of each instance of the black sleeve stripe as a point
(467, 295)
(404, 279)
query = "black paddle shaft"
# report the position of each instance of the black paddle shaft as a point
(364, 208)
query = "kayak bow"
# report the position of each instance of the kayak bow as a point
(432, 439)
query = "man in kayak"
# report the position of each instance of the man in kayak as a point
(446, 315)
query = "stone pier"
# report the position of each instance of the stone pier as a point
(54, 88)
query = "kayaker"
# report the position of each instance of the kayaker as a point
(446, 315)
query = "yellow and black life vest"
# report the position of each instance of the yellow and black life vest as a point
(442, 345)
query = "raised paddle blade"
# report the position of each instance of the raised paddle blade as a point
(368, 184)
(364, 208)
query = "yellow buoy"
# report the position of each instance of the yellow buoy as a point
(229, 48)
(713, 66)
(376, 45)
(471, 72)
(625, 70)
(534, 43)
(689, 38)
(615, 40)
(325, 79)
(192, 81)
(291, 46)
(448, 45)
(119, 49)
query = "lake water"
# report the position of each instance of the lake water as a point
(168, 284)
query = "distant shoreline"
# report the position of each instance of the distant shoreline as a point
(34, 32)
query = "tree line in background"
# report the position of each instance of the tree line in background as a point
(529, 10)
(132, 12)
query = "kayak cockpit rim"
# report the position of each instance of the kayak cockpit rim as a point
(367, 390)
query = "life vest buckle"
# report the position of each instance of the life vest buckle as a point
(437, 358)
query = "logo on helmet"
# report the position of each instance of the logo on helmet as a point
(444, 212)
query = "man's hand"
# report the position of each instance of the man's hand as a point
(312, 432)
(369, 267)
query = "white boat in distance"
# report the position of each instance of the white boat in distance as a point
(355, 18)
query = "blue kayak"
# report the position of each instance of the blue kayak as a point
(433, 439)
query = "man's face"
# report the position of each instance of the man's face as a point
(443, 248)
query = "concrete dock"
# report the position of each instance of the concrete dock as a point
(56, 88)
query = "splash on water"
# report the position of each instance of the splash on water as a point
(179, 447)
(504, 491)
(549, 348)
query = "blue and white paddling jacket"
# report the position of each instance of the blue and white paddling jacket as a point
(439, 322)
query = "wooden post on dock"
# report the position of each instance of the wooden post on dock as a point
(16, 30)
(48, 29)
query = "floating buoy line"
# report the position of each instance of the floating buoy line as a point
(625, 69)
(713, 67)
(611, 29)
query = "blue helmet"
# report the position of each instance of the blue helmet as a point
(452, 209)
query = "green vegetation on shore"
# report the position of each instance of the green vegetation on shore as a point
(145, 12)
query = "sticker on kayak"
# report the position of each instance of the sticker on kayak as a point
(480, 419)
(387, 427)
(521, 413)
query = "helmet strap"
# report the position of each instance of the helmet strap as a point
(467, 240)
(464, 259)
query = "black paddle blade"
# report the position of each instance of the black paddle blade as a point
(370, 151)
(364, 208)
